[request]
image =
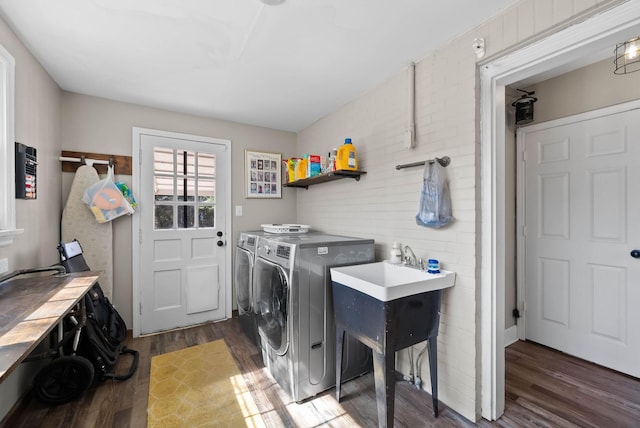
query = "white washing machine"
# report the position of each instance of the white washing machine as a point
(294, 310)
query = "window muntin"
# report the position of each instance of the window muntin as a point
(184, 184)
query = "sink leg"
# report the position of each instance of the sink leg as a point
(433, 368)
(384, 375)
(339, 347)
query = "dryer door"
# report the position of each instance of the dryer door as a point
(243, 277)
(272, 303)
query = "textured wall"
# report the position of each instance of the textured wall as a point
(37, 124)
(384, 203)
(98, 125)
(582, 90)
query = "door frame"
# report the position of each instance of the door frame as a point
(557, 51)
(521, 188)
(136, 181)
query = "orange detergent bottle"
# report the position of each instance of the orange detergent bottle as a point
(301, 168)
(346, 158)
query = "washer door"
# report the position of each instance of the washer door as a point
(244, 274)
(272, 298)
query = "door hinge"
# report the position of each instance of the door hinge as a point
(140, 155)
(140, 307)
(140, 236)
(524, 230)
(524, 156)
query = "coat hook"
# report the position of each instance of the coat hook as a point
(83, 160)
(112, 161)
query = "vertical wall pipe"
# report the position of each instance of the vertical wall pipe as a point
(410, 133)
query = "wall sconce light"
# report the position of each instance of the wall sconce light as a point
(524, 108)
(627, 56)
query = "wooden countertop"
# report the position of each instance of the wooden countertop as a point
(31, 307)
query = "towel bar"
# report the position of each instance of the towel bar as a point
(444, 161)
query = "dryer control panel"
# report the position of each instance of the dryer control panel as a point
(283, 251)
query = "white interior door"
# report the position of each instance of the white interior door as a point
(582, 222)
(182, 227)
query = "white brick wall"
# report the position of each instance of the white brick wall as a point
(383, 204)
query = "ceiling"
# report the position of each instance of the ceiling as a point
(281, 67)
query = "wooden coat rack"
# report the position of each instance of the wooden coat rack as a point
(121, 164)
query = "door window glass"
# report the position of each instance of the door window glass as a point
(163, 217)
(184, 184)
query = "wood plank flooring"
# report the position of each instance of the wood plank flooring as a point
(545, 388)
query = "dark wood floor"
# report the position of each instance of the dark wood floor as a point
(545, 388)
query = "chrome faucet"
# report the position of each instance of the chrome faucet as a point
(410, 261)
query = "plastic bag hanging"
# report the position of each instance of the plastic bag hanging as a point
(435, 200)
(105, 199)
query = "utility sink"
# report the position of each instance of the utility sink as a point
(388, 307)
(385, 281)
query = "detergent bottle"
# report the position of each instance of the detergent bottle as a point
(301, 167)
(346, 158)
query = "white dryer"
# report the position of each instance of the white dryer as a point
(294, 310)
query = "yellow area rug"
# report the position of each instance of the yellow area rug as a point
(200, 386)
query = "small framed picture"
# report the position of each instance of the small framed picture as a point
(263, 175)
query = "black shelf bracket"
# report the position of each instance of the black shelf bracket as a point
(332, 176)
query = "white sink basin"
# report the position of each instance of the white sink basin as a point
(385, 281)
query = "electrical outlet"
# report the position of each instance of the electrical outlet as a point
(238, 210)
(4, 265)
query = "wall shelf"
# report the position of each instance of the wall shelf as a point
(334, 175)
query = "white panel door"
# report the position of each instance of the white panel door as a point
(582, 222)
(182, 249)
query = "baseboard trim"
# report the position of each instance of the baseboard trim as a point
(510, 335)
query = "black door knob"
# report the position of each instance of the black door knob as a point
(220, 243)
(219, 233)
(635, 254)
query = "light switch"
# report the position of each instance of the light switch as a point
(238, 210)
